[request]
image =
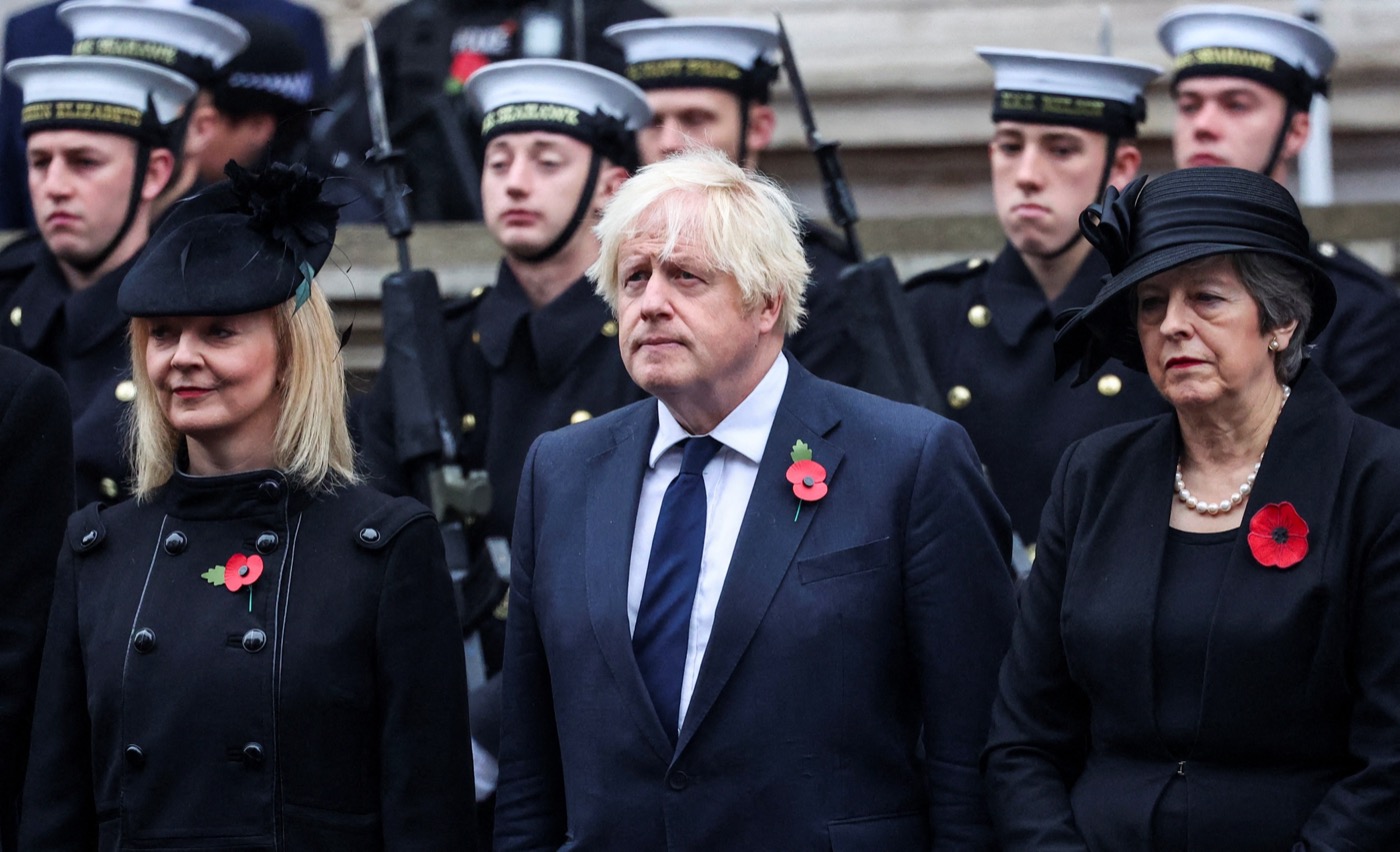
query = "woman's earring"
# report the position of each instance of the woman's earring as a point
(1273, 345)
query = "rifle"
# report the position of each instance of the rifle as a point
(426, 413)
(878, 314)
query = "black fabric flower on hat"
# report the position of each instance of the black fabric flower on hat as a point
(1108, 225)
(285, 203)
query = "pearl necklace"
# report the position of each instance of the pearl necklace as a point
(1235, 499)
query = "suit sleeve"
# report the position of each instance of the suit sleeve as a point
(36, 463)
(425, 750)
(1360, 811)
(959, 607)
(530, 795)
(1040, 720)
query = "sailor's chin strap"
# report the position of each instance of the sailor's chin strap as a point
(143, 161)
(1112, 151)
(1279, 140)
(585, 203)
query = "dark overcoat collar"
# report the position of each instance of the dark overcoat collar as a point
(559, 332)
(1017, 302)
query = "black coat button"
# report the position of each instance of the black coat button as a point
(254, 640)
(175, 543)
(369, 535)
(144, 641)
(270, 490)
(678, 780)
(253, 754)
(135, 757)
(267, 542)
(89, 538)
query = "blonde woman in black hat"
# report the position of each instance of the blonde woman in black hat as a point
(257, 652)
(1207, 651)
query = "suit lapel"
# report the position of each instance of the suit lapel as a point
(615, 486)
(768, 538)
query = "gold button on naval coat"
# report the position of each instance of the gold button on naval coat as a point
(468, 422)
(126, 390)
(109, 487)
(476, 293)
(1326, 249)
(959, 396)
(476, 337)
(610, 329)
(975, 263)
(979, 316)
(1110, 385)
(580, 416)
(16, 315)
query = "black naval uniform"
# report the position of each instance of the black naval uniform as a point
(824, 344)
(1360, 348)
(36, 474)
(518, 373)
(82, 336)
(323, 707)
(988, 333)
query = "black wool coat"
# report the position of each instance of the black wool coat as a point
(36, 495)
(1298, 744)
(322, 707)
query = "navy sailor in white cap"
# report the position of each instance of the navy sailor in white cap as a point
(98, 136)
(537, 351)
(1243, 82)
(1065, 127)
(708, 82)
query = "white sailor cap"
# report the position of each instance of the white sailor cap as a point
(192, 41)
(712, 53)
(1281, 51)
(1090, 92)
(594, 106)
(101, 93)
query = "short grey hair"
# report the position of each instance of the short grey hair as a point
(744, 222)
(1279, 287)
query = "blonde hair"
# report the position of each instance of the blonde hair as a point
(743, 222)
(312, 442)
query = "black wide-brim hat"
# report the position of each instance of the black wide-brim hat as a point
(248, 243)
(1153, 226)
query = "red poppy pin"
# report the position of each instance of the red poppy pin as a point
(807, 477)
(238, 572)
(1278, 537)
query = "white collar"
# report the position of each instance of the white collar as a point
(744, 431)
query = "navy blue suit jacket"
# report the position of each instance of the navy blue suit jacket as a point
(877, 613)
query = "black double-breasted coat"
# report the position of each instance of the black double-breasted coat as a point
(988, 332)
(321, 707)
(1298, 739)
(81, 336)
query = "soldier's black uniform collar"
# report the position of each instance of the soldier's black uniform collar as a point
(90, 316)
(1017, 301)
(559, 332)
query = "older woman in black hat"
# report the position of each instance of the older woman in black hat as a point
(257, 652)
(1208, 651)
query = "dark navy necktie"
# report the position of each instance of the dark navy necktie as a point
(662, 631)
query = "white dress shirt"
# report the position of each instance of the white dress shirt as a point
(729, 480)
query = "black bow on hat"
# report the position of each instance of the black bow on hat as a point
(1151, 227)
(248, 243)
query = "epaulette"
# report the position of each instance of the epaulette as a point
(460, 305)
(377, 529)
(85, 528)
(21, 255)
(953, 273)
